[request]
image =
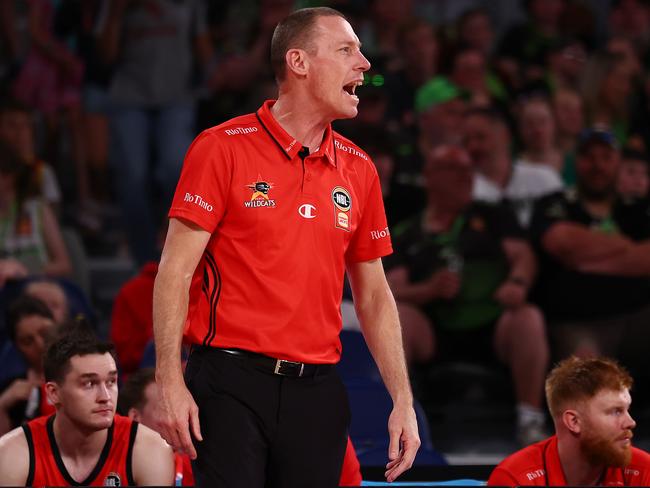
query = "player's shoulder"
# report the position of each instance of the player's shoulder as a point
(640, 458)
(14, 439)
(14, 457)
(234, 129)
(149, 442)
(347, 149)
(527, 464)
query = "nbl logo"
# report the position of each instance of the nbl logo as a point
(113, 479)
(341, 198)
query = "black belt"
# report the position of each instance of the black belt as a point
(271, 365)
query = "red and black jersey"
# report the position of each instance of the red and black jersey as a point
(113, 468)
(539, 465)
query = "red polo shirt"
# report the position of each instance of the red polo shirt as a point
(539, 465)
(283, 229)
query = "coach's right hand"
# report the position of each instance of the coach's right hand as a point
(179, 414)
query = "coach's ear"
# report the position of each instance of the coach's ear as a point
(571, 420)
(297, 61)
(52, 391)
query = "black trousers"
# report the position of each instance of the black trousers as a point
(264, 430)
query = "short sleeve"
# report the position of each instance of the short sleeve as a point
(547, 212)
(371, 239)
(202, 191)
(507, 221)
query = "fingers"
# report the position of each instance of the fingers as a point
(186, 442)
(404, 461)
(393, 446)
(194, 422)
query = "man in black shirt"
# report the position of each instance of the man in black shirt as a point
(464, 268)
(595, 250)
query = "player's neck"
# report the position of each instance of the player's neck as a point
(577, 470)
(294, 115)
(75, 443)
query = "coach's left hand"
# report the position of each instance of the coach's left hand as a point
(404, 440)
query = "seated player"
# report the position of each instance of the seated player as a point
(589, 400)
(84, 442)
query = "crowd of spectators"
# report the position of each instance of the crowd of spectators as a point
(513, 160)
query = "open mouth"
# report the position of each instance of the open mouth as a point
(350, 88)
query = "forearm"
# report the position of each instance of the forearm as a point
(523, 264)
(170, 302)
(575, 245)
(382, 331)
(633, 263)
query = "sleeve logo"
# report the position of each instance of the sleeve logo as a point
(197, 199)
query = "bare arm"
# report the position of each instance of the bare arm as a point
(513, 291)
(443, 284)
(59, 262)
(14, 458)
(523, 264)
(576, 245)
(589, 251)
(375, 306)
(153, 459)
(183, 249)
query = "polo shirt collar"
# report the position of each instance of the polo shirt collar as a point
(289, 145)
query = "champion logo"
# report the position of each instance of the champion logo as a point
(307, 211)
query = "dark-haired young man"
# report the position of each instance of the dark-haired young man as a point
(84, 442)
(270, 211)
(589, 400)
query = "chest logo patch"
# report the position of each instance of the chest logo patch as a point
(259, 194)
(342, 207)
(307, 211)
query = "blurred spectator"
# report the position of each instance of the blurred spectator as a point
(470, 73)
(624, 48)
(606, 91)
(633, 182)
(440, 105)
(139, 399)
(565, 62)
(487, 139)
(631, 19)
(17, 131)
(523, 49)
(570, 120)
(539, 135)
(379, 35)
(132, 318)
(595, 249)
(475, 31)
(153, 47)
(51, 294)
(29, 324)
(419, 48)
(468, 268)
(49, 80)
(30, 237)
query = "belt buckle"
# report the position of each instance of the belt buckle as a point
(279, 363)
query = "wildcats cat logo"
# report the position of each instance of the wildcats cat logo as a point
(260, 196)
